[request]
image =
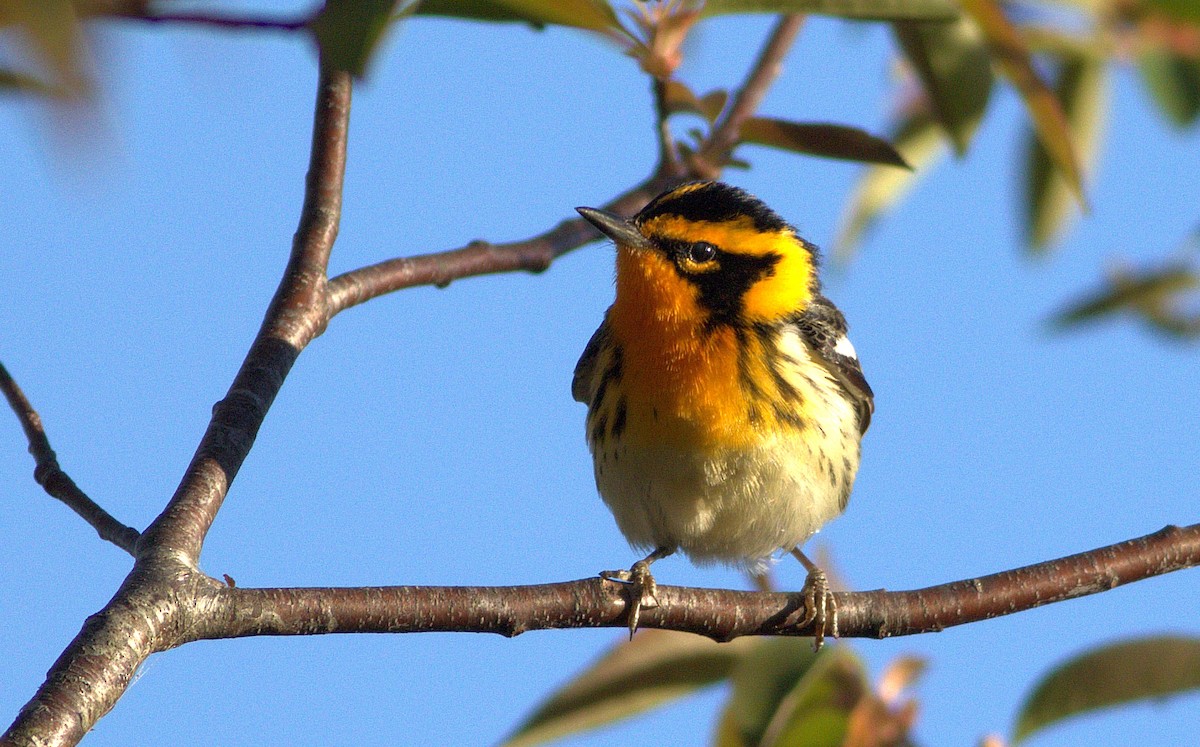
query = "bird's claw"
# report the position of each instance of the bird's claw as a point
(820, 607)
(643, 590)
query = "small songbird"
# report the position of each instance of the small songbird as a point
(725, 402)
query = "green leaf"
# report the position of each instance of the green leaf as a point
(1180, 10)
(817, 139)
(349, 31)
(761, 680)
(816, 712)
(713, 103)
(1173, 82)
(1012, 56)
(919, 141)
(678, 98)
(863, 10)
(655, 667)
(784, 694)
(1082, 87)
(15, 81)
(1154, 295)
(594, 15)
(474, 10)
(956, 71)
(1125, 672)
(52, 31)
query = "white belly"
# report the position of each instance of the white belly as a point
(737, 506)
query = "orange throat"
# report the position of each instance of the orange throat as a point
(681, 379)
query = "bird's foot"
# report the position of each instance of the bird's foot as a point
(820, 607)
(643, 590)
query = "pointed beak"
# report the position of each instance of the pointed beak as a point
(616, 228)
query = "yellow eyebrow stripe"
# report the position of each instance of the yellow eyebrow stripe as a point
(737, 236)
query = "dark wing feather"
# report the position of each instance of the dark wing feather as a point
(584, 382)
(823, 325)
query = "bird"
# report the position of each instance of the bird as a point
(725, 402)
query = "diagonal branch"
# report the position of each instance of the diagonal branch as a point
(715, 151)
(483, 258)
(717, 613)
(668, 153)
(164, 592)
(226, 21)
(51, 477)
(297, 314)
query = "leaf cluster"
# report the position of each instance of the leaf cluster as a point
(782, 693)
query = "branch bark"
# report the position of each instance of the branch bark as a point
(714, 154)
(57, 483)
(721, 614)
(484, 258)
(165, 589)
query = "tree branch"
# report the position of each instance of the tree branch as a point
(715, 151)
(668, 154)
(51, 477)
(213, 20)
(165, 592)
(483, 258)
(296, 315)
(717, 613)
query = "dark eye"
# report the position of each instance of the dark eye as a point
(701, 252)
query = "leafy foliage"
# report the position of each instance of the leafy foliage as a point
(818, 139)
(653, 668)
(348, 31)
(1158, 296)
(1050, 199)
(781, 692)
(584, 14)
(1126, 672)
(955, 69)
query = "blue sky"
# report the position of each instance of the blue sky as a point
(429, 437)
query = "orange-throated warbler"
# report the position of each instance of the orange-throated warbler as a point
(725, 402)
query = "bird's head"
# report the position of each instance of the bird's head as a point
(706, 253)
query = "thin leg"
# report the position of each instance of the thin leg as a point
(642, 587)
(820, 606)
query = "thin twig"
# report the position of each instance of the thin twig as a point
(717, 613)
(715, 151)
(216, 20)
(536, 254)
(51, 477)
(668, 154)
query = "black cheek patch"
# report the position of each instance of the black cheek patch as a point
(722, 292)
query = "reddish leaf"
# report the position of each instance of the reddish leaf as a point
(827, 140)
